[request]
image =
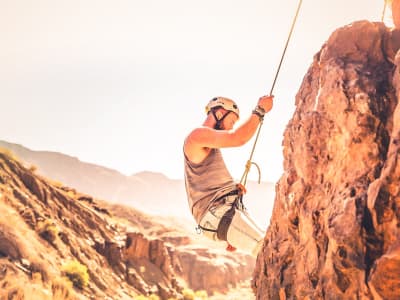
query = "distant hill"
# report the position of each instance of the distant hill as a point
(151, 192)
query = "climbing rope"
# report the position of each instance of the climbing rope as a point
(249, 163)
(384, 10)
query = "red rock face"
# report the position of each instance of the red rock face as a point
(396, 13)
(334, 232)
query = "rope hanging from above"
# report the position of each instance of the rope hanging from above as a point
(243, 180)
(384, 10)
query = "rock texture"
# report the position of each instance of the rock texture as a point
(44, 226)
(335, 231)
(396, 13)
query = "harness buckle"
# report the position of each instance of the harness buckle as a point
(241, 188)
(198, 229)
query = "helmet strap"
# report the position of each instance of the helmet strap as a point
(219, 121)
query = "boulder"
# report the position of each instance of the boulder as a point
(334, 230)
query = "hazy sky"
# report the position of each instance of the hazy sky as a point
(121, 83)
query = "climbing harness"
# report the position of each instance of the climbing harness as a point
(226, 218)
(223, 226)
(249, 163)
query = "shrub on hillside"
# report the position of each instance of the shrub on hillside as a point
(151, 297)
(76, 273)
(188, 294)
(201, 295)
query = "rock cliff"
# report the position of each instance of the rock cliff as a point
(335, 231)
(50, 232)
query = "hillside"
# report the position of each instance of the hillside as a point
(52, 235)
(148, 191)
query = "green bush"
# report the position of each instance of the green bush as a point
(76, 273)
(201, 295)
(151, 297)
(188, 294)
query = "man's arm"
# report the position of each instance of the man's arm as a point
(206, 137)
(211, 138)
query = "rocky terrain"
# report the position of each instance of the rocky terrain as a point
(57, 243)
(334, 232)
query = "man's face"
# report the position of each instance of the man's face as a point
(229, 121)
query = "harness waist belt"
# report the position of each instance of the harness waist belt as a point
(226, 219)
(231, 193)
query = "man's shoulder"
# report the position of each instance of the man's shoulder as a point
(194, 134)
(195, 152)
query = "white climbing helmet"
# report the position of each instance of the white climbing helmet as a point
(223, 102)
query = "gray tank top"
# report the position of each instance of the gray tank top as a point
(206, 182)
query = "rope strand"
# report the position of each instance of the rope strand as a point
(243, 180)
(384, 10)
(286, 46)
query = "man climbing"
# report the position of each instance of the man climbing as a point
(214, 198)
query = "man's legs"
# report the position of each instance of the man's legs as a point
(242, 234)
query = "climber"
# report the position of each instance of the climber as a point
(214, 198)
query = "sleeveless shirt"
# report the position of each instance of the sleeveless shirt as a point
(206, 181)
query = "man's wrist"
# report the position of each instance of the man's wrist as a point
(259, 111)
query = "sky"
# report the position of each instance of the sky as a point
(121, 83)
